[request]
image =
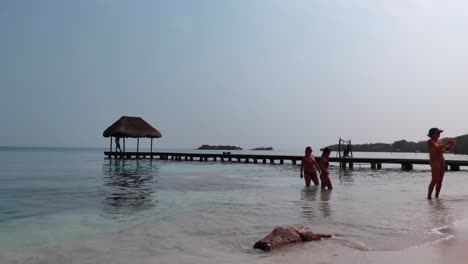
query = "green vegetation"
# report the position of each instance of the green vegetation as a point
(407, 146)
(220, 147)
(263, 148)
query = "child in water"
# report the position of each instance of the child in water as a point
(324, 174)
(309, 167)
(436, 150)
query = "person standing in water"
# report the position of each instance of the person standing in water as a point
(117, 145)
(324, 173)
(309, 167)
(436, 150)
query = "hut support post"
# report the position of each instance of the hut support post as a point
(110, 144)
(137, 156)
(151, 149)
(124, 145)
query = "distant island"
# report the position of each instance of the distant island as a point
(263, 148)
(407, 146)
(219, 147)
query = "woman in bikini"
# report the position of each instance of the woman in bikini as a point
(436, 150)
(309, 167)
(324, 174)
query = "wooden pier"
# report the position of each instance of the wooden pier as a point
(375, 163)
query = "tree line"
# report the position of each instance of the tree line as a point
(407, 146)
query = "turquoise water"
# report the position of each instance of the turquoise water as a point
(75, 206)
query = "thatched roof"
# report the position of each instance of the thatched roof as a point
(133, 127)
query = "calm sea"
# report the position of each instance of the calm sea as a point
(61, 205)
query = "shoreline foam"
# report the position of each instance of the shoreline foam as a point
(129, 245)
(451, 250)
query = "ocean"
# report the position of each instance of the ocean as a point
(71, 205)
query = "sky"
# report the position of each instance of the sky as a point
(250, 73)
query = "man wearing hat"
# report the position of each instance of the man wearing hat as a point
(436, 150)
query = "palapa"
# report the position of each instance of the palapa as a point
(131, 127)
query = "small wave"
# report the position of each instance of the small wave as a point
(442, 230)
(455, 198)
(433, 242)
(445, 231)
(460, 222)
(352, 243)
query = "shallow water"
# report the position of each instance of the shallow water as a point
(72, 205)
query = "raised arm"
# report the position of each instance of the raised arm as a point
(437, 146)
(314, 161)
(450, 144)
(322, 164)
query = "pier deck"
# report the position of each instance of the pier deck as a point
(375, 163)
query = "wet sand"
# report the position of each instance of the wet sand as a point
(453, 250)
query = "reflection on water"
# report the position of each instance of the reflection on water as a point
(325, 196)
(316, 201)
(309, 196)
(309, 193)
(439, 213)
(345, 177)
(128, 186)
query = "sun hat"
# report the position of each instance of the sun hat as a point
(434, 130)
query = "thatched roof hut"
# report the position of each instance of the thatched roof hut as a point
(130, 127)
(133, 127)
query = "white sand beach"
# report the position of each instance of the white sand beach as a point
(452, 250)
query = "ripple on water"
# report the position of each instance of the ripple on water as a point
(200, 210)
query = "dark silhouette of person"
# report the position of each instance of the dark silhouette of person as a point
(117, 145)
(346, 152)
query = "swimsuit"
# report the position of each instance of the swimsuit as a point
(312, 174)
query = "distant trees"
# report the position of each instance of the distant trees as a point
(220, 147)
(263, 148)
(407, 146)
(462, 145)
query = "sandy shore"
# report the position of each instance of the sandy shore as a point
(453, 250)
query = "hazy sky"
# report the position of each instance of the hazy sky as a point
(249, 73)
